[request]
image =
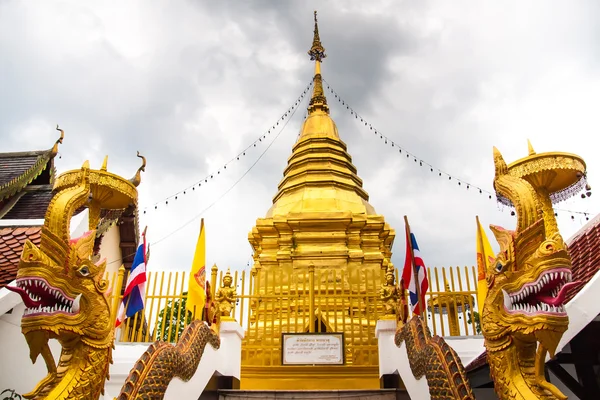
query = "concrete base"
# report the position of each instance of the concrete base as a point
(288, 377)
(381, 394)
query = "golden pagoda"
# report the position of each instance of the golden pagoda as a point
(320, 256)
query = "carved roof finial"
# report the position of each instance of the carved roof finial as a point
(137, 179)
(54, 150)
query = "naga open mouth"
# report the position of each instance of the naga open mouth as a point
(544, 296)
(41, 298)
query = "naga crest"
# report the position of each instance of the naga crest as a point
(62, 287)
(530, 277)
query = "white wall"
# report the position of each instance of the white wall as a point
(225, 361)
(468, 348)
(16, 370)
(394, 359)
(18, 373)
(110, 250)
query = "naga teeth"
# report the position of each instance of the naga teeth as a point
(75, 307)
(507, 302)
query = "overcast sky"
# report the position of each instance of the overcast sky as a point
(191, 84)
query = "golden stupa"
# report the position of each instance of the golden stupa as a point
(320, 256)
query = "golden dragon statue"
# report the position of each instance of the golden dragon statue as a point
(523, 317)
(66, 299)
(435, 359)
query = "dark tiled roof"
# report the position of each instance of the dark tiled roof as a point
(11, 246)
(584, 249)
(13, 165)
(17, 170)
(32, 205)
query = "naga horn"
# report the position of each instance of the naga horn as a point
(55, 234)
(519, 192)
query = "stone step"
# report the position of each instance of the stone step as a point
(377, 394)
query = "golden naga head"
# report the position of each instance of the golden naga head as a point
(62, 288)
(530, 277)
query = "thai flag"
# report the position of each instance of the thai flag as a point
(408, 275)
(133, 298)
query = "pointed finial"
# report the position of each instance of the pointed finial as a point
(137, 179)
(317, 51)
(499, 163)
(317, 54)
(390, 269)
(104, 164)
(530, 148)
(54, 150)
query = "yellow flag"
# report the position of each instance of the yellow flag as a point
(196, 297)
(484, 254)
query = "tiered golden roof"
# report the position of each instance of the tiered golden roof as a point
(320, 176)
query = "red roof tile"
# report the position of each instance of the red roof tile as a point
(583, 248)
(479, 361)
(11, 247)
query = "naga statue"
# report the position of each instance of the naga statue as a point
(66, 298)
(524, 317)
(434, 358)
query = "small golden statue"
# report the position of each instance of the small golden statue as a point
(225, 297)
(390, 293)
(402, 306)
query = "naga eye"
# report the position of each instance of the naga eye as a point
(499, 266)
(84, 271)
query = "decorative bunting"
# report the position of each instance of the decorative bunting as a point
(290, 111)
(460, 182)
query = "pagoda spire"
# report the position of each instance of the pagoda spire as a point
(318, 102)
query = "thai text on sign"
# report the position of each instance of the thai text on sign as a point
(313, 349)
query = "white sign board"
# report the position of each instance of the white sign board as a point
(312, 349)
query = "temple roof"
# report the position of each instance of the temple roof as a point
(11, 246)
(17, 170)
(30, 203)
(320, 176)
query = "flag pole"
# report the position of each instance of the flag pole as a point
(480, 240)
(483, 260)
(415, 273)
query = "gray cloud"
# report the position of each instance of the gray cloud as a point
(192, 83)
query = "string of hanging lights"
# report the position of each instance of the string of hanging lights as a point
(289, 114)
(210, 177)
(422, 163)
